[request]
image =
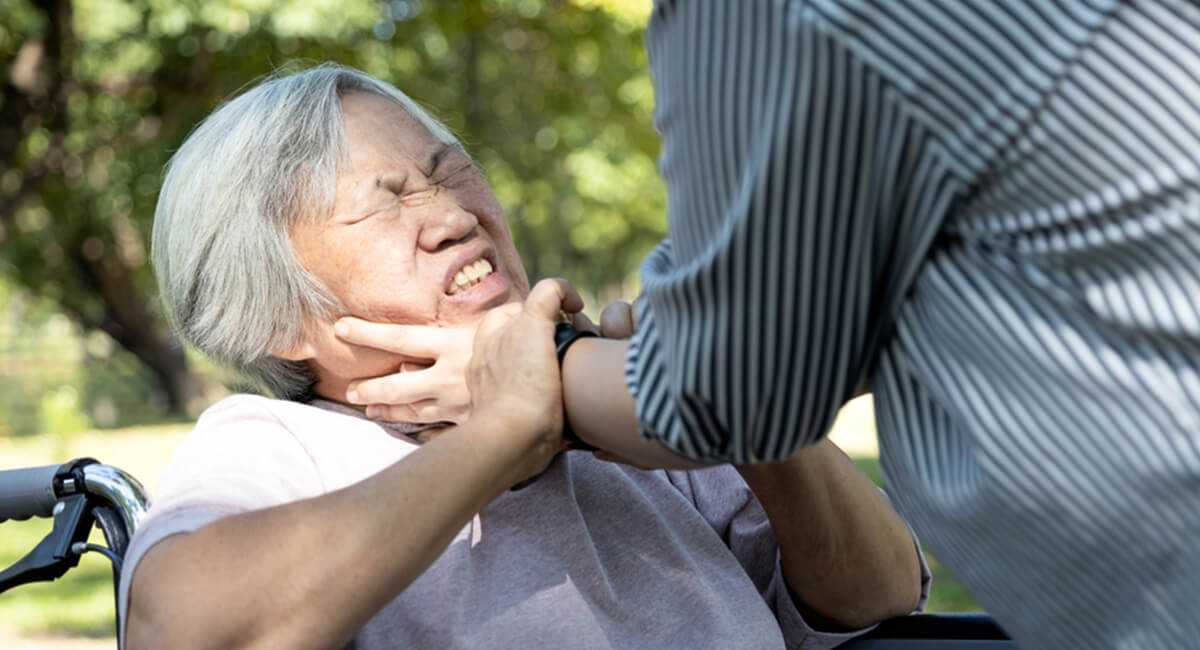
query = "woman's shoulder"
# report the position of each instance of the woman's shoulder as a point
(237, 433)
(244, 413)
(341, 447)
(250, 406)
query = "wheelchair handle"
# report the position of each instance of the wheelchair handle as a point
(120, 491)
(79, 494)
(29, 492)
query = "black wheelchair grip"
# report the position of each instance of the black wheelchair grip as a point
(27, 492)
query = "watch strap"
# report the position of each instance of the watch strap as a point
(564, 337)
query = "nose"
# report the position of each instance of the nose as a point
(445, 222)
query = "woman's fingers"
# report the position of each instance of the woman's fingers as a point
(550, 296)
(434, 390)
(416, 341)
(580, 321)
(426, 411)
(398, 388)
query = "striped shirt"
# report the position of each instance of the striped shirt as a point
(991, 210)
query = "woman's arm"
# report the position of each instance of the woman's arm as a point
(846, 554)
(309, 574)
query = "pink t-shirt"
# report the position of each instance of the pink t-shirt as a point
(590, 555)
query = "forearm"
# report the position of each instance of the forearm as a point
(846, 554)
(600, 409)
(311, 573)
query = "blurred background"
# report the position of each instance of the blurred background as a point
(552, 97)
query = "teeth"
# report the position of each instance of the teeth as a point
(469, 275)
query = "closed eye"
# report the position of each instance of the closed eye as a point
(453, 165)
(383, 198)
(460, 174)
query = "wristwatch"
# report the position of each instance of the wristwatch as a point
(564, 337)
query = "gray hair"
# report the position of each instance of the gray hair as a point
(227, 273)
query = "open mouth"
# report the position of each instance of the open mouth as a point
(469, 276)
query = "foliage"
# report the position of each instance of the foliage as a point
(56, 380)
(552, 97)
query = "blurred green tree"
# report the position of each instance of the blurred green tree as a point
(551, 96)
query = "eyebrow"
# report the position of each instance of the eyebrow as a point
(439, 155)
(431, 167)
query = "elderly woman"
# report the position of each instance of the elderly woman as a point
(299, 522)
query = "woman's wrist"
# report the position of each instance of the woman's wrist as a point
(505, 438)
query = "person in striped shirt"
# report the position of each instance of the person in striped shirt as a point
(987, 212)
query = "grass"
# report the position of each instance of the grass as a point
(80, 604)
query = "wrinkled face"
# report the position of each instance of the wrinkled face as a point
(414, 230)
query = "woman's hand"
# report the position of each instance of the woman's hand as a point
(436, 392)
(513, 375)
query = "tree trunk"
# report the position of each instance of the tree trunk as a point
(99, 291)
(128, 319)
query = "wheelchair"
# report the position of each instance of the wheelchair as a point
(83, 493)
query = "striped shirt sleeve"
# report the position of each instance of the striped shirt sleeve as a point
(993, 208)
(793, 174)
